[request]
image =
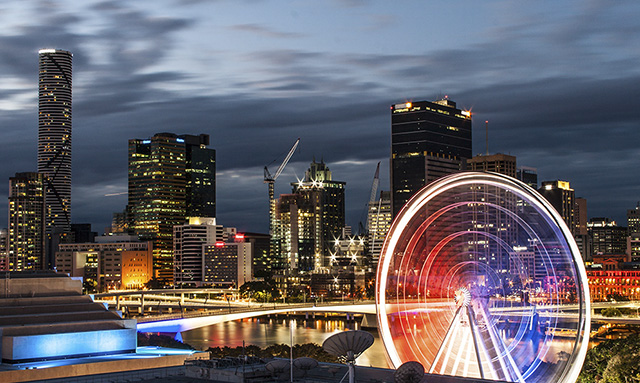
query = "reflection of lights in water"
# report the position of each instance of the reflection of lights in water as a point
(253, 331)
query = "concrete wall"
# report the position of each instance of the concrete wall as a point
(33, 287)
(76, 370)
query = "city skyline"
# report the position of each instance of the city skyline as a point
(556, 82)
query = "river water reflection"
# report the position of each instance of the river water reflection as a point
(264, 332)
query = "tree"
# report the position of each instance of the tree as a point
(281, 350)
(622, 369)
(614, 360)
(611, 312)
(260, 290)
(153, 283)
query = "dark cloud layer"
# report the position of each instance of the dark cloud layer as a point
(572, 116)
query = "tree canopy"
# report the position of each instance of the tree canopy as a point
(613, 361)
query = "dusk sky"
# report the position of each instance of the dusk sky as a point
(559, 82)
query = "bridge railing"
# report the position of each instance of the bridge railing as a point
(239, 310)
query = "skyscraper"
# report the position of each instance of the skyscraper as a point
(496, 222)
(428, 140)
(201, 176)
(633, 219)
(497, 163)
(528, 175)
(310, 219)
(379, 221)
(54, 136)
(562, 197)
(26, 241)
(189, 240)
(170, 178)
(581, 234)
(607, 237)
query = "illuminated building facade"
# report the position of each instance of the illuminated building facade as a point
(170, 177)
(607, 237)
(46, 317)
(26, 236)
(379, 218)
(333, 285)
(633, 219)
(348, 252)
(4, 249)
(633, 247)
(498, 163)
(54, 139)
(562, 197)
(607, 284)
(108, 265)
(428, 140)
(309, 219)
(498, 223)
(228, 264)
(189, 241)
(298, 233)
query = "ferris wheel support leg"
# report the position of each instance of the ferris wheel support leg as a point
(476, 344)
(511, 368)
(445, 341)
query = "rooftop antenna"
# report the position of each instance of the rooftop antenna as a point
(486, 129)
(347, 346)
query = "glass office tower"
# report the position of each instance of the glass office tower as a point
(428, 140)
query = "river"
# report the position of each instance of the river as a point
(267, 331)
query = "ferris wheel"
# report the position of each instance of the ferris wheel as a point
(480, 277)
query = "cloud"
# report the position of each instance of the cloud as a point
(547, 86)
(263, 31)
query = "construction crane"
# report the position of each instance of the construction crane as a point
(374, 190)
(364, 229)
(270, 180)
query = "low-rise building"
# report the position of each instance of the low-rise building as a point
(228, 264)
(107, 265)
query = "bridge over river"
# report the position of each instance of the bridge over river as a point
(179, 322)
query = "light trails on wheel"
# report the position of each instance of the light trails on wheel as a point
(498, 241)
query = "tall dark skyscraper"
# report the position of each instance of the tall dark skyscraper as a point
(562, 197)
(201, 176)
(54, 136)
(171, 178)
(428, 140)
(528, 175)
(633, 219)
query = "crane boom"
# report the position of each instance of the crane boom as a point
(372, 197)
(374, 186)
(270, 180)
(286, 160)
